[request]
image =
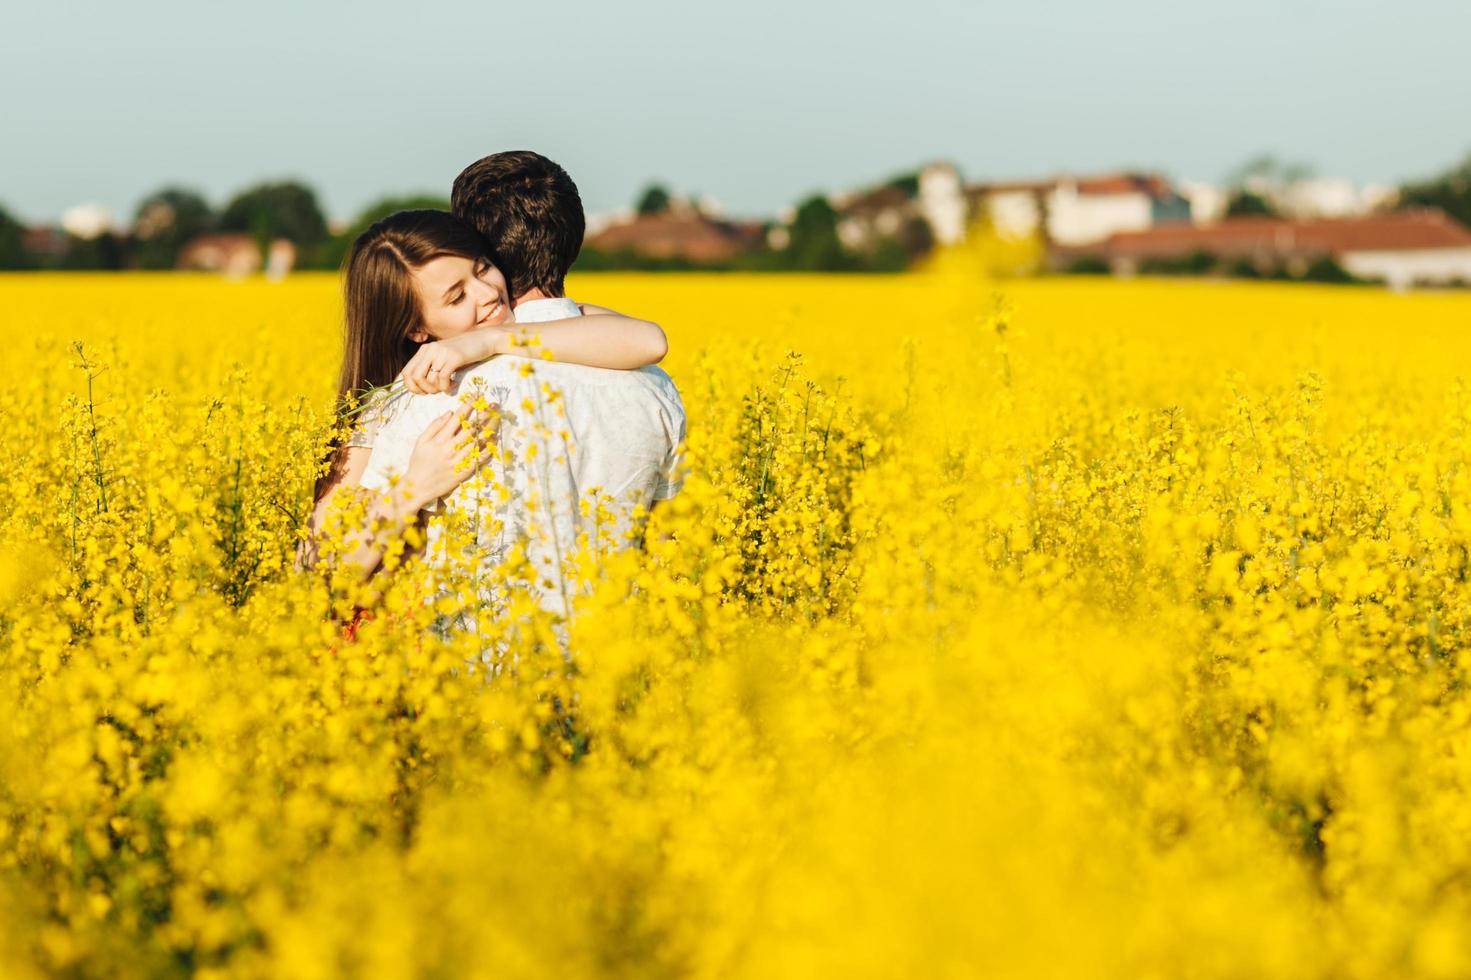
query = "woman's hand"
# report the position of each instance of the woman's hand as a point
(447, 454)
(430, 369)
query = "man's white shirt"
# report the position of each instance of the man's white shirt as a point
(583, 451)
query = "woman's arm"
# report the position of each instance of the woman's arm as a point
(444, 456)
(387, 516)
(347, 473)
(603, 339)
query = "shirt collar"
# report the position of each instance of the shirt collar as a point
(541, 310)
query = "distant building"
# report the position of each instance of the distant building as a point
(918, 211)
(678, 234)
(597, 222)
(866, 217)
(87, 221)
(44, 243)
(1016, 209)
(1401, 248)
(1079, 210)
(1379, 197)
(1321, 197)
(1207, 201)
(942, 203)
(236, 255)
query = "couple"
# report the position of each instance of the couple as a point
(476, 364)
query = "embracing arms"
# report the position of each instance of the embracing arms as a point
(445, 455)
(600, 338)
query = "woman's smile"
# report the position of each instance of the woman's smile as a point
(493, 312)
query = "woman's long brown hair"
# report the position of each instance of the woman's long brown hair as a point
(381, 305)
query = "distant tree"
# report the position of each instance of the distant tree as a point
(384, 206)
(277, 210)
(908, 183)
(626, 259)
(1245, 268)
(1298, 170)
(1263, 165)
(1325, 268)
(103, 252)
(895, 253)
(1257, 185)
(1244, 203)
(12, 243)
(917, 237)
(1088, 265)
(1267, 167)
(1197, 263)
(1450, 191)
(331, 253)
(888, 255)
(654, 200)
(165, 220)
(814, 244)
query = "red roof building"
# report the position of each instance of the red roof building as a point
(1401, 248)
(236, 255)
(689, 236)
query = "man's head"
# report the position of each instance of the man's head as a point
(528, 210)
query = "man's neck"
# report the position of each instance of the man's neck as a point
(530, 294)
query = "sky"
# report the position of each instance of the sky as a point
(756, 103)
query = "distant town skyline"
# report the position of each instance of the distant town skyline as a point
(756, 108)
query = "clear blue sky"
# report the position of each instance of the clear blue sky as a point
(755, 102)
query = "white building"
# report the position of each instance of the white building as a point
(1207, 201)
(1309, 198)
(1321, 197)
(1014, 210)
(942, 202)
(1306, 199)
(1081, 210)
(935, 200)
(1409, 248)
(87, 221)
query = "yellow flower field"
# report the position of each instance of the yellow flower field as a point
(1052, 628)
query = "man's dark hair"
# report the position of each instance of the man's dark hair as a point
(530, 214)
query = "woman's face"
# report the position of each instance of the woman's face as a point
(457, 295)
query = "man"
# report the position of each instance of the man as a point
(584, 452)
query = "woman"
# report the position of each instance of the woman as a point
(423, 300)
